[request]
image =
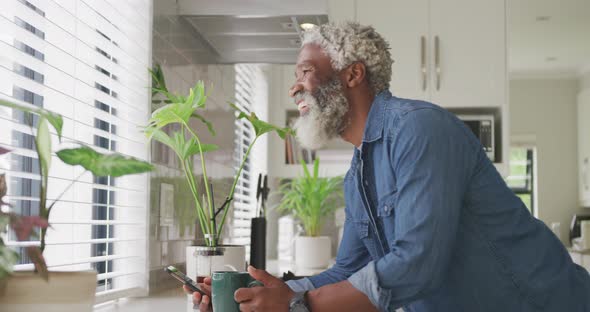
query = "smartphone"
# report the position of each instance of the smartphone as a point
(185, 280)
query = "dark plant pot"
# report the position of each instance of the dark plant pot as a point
(258, 243)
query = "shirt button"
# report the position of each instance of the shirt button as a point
(366, 183)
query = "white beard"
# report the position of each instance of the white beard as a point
(310, 133)
(325, 119)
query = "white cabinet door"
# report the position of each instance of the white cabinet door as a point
(584, 146)
(472, 52)
(403, 24)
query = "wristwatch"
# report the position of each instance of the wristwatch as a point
(299, 303)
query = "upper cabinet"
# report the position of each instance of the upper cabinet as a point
(584, 146)
(404, 24)
(450, 52)
(468, 53)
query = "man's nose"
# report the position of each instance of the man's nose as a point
(296, 88)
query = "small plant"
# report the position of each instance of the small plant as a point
(98, 164)
(311, 198)
(185, 142)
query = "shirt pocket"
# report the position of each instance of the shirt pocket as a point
(362, 228)
(387, 205)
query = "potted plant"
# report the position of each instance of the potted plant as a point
(43, 289)
(186, 143)
(309, 199)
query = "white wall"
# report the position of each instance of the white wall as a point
(545, 110)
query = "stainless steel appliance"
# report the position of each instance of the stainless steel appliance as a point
(483, 128)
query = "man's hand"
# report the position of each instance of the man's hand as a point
(273, 297)
(204, 303)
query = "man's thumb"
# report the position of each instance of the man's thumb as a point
(262, 276)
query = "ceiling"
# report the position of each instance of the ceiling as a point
(548, 37)
(545, 37)
(232, 31)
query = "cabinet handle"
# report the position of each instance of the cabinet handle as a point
(423, 61)
(437, 61)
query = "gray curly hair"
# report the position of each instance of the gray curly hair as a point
(350, 42)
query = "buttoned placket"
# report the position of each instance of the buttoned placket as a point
(366, 203)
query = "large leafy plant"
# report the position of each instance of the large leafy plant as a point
(186, 143)
(98, 164)
(310, 198)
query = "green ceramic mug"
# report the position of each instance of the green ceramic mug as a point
(223, 286)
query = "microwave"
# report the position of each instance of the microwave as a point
(483, 128)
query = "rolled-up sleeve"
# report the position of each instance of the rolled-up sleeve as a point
(352, 256)
(433, 158)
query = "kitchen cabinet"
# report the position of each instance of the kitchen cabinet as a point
(584, 147)
(449, 52)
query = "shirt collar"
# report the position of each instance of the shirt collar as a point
(374, 124)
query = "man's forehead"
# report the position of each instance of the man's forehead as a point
(312, 54)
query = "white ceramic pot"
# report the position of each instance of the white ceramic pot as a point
(201, 261)
(64, 292)
(313, 252)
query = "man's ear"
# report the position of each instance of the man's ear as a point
(355, 74)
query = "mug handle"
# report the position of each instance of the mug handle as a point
(255, 283)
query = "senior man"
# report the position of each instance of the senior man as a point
(430, 223)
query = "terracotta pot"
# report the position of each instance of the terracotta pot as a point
(64, 292)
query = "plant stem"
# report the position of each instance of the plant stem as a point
(233, 188)
(192, 185)
(212, 242)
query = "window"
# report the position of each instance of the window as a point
(27, 96)
(105, 107)
(101, 141)
(102, 70)
(24, 187)
(32, 7)
(29, 28)
(23, 140)
(101, 124)
(101, 51)
(24, 164)
(104, 180)
(245, 195)
(31, 98)
(102, 88)
(521, 178)
(106, 230)
(29, 73)
(29, 50)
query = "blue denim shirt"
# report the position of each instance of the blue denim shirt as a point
(432, 226)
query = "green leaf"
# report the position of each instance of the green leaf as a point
(43, 143)
(160, 136)
(8, 259)
(262, 127)
(311, 198)
(158, 81)
(206, 122)
(178, 143)
(54, 119)
(115, 165)
(192, 148)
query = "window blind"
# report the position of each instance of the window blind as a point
(51, 55)
(250, 81)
